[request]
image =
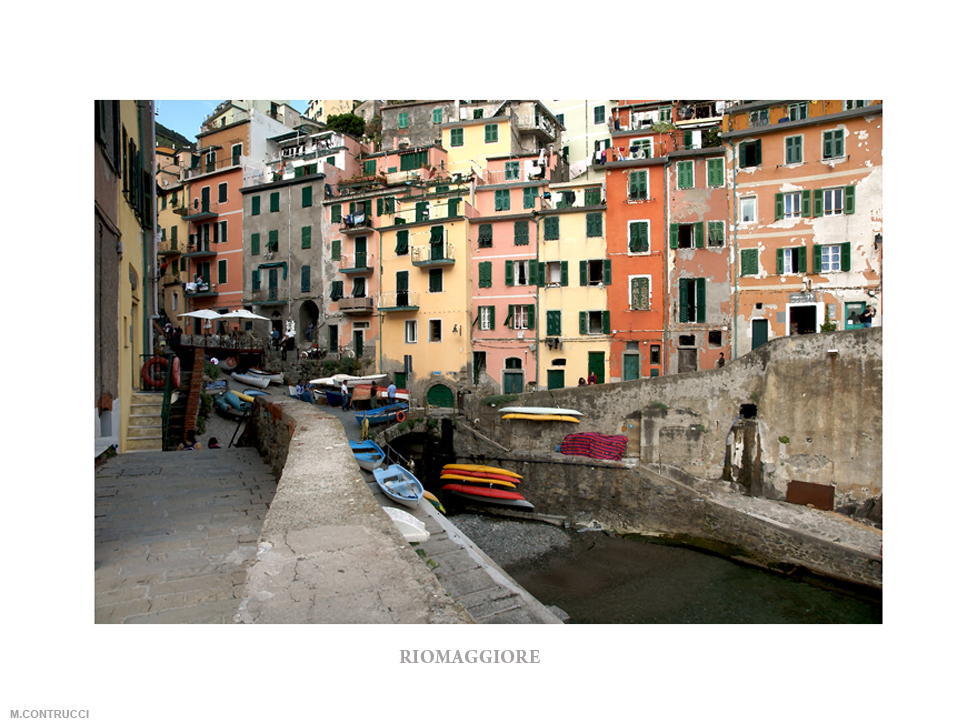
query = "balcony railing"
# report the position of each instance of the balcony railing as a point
(356, 305)
(539, 124)
(441, 254)
(399, 301)
(271, 296)
(209, 167)
(199, 247)
(356, 263)
(201, 289)
(355, 222)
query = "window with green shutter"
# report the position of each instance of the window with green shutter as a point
(491, 133)
(335, 214)
(849, 199)
(255, 280)
(435, 280)
(256, 243)
(551, 228)
(750, 154)
(638, 241)
(749, 262)
(521, 237)
(336, 252)
(370, 167)
(403, 242)
(273, 201)
(600, 114)
(794, 149)
(638, 185)
(484, 274)
(173, 233)
(273, 240)
(306, 278)
(717, 233)
(591, 197)
(502, 199)
(554, 323)
(307, 196)
(255, 205)
(436, 115)
(640, 293)
(484, 235)
(453, 206)
(529, 195)
(686, 174)
(595, 225)
(511, 170)
(222, 271)
(402, 120)
(306, 237)
(457, 137)
(834, 143)
(222, 193)
(714, 172)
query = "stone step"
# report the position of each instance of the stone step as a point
(144, 443)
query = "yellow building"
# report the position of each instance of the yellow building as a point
(425, 293)
(574, 272)
(171, 247)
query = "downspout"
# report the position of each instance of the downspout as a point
(736, 258)
(148, 235)
(666, 249)
(539, 315)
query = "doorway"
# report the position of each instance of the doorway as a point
(760, 333)
(688, 359)
(803, 320)
(595, 364)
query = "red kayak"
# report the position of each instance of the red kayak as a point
(482, 492)
(486, 476)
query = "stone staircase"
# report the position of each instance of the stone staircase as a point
(145, 425)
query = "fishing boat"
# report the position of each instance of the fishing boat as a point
(388, 413)
(398, 484)
(250, 380)
(540, 411)
(368, 454)
(539, 418)
(413, 530)
(481, 469)
(330, 397)
(276, 378)
(489, 496)
(480, 475)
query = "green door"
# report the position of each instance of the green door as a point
(759, 332)
(632, 366)
(512, 383)
(273, 284)
(595, 364)
(440, 396)
(555, 379)
(360, 252)
(400, 379)
(403, 279)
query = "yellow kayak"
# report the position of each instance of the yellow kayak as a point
(481, 469)
(434, 500)
(246, 398)
(467, 479)
(540, 418)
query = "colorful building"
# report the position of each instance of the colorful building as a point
(586, 138)
(806, 208)
(171, 247)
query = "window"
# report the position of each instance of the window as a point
(335, 214)
(222, 271)
(273, 240)
(484, 235)
(306, 274)
(600, 114)
(401, 120)
(529, 195)
(686, 174)
(521, 233)
(594, 272)
(273, 202)
(794, 149)
(484, 274)
(511, 170)
(716, 235)
(173, 233)
(457, 137)
(336, 292)
(369, 167)
(591, 197)
(336, 252)
(256, 280)
(791, 205)
(685, 236)
(221, 193)
(792, 260)
(403, 242)
(749, 262)
(502, 199)
(748, 209)
(834, 143)
(797, 111)
(595, 225)
(255, 205)
(638, 185)
(834, 203)
(486, 318)
(832, 258)
(638, 241)
(759, 118)
(715, 338)
(411, 161)
(692, 300)
(517, 273)
(410, 331)
(492, 133)
(654, 356)
(852, 105)
(555, 274)
(551, 228)
(436, 115)
(596, 322)
(749, 153)
(256, 243)
(554, 323)
(715, 173)
(640, 292)
(307, 196)
(521, 316)
(306, 237)
(478, 113)
(435, 281)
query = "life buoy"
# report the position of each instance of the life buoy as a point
(175, 371)
(400, 416)
(231, 362)
(154, 372)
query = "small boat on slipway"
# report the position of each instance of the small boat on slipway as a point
(275, 378)
(398, 484)
(489, 496)
(368, 454)
(389, 413)
(250, 380)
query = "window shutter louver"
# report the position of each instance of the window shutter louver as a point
(849, 199)
(508, 272)
(673, 236)
(816, 259)
(778, 206)
(700, 300)
(607, 272)
(780, 261)
(697, 230)
(846, 256)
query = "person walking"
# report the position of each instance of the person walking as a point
(391, 393)
(866, 316)
(344, 390)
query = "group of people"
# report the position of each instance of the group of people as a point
(591, 380)
(191, 442)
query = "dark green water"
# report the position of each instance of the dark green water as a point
(605, 579)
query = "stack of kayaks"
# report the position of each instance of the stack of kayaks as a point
(484, 484)
(540, 414)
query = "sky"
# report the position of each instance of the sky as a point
(186, 117)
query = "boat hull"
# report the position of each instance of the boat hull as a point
(250, 380)
(489, 496)
(368, 454)
(477, 481)
(398, 484)
(540, 411)
(540, 418)
(487, 477)
(481, 469)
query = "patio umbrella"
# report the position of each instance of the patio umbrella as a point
(201, 314)
(243, 314)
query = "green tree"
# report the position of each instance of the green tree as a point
(348, 123)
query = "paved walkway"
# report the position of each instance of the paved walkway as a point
(175, 533)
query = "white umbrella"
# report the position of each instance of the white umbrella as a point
(243, 314)
(202, 314)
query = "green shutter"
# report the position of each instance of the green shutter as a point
(583, 323)
(846, 256)
(584, 277)
(508, 272)
(749, 262)
(849, 199)
(306, 237)
(818, 195)
(337, 249)
(594, 225)
(605, 322)
(698, 229)
(553, 324)
(453, 205)
(778, 206)
(531, 316)
(403, 242)
(508, 320)
(532, 273)
(522, 233)
(564, 274)
(255, 205)
(256, 280)
(806, 202)
(816, 259)
(273, 202)
(673, 236)
(336, 214)
(306, 278)
(683, 300)
(222, 271)
(256, 243)
(700, 300)
(780, 261)
(715, 171)
(802, 260)
(484, 274)
(529, 195)
(540, 274)
(607, 272)
(759, 152)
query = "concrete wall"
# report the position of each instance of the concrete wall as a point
(827, 407)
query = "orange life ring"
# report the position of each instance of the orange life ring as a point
(175, 371)
(230, 362)
(154, 372)
(400, 416)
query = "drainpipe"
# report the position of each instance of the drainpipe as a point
(539, 315)
(148, 145)
(736, 258)
(666, 251)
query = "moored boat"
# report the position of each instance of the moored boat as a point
(539, 418)
(250, 380)
(276, 378)
(540, 411)
(388, 413)
(489, 496)
(481, 469)
(488, 477)
(400, 485)
(413, 530)
(368, 454)
(477, 481)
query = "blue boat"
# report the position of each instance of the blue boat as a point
(387, 413)
(398, 484)
(231, 406)
(368, 454)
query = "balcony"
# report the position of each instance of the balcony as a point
(538, 124)
(201, 214)
(433, 255)
(267, 297)
(168, 249)
(358, 263)
(355, 222)
(205, 167)
(399, 301)
(199, 290)
(356, 305)
(199, 248)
